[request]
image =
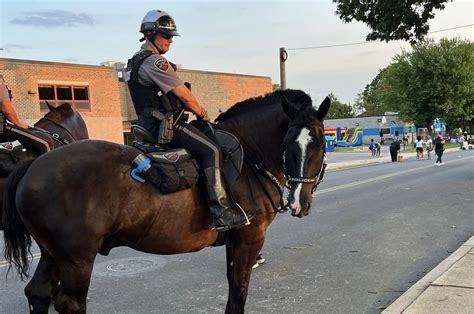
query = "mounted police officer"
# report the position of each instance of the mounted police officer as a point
(154, 85)
(15, 129)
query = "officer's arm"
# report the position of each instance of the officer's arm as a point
(188, 99)
(11, 115)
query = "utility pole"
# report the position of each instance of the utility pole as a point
(283, 57)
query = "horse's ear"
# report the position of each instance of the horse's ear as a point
(288, 107)
(323, 108)
(50, 107)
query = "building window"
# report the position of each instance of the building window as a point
(385, 131)
(77, 96)
(128, 138)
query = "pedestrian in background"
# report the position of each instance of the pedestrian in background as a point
(461, 141)
(429, 148)
(439, 149)
(394, 150)
(419, 147)
(377, 147)
(372, 147)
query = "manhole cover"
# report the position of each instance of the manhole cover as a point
(130, 266)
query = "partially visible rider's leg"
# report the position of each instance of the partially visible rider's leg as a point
(226, 215)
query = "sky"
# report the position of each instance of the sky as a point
(240, 37)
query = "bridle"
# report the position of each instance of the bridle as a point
(259, 168)
(315, 181)
(56, 136)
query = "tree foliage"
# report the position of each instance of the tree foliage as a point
(368, 103)
(432, 81)
(391, 19)
(339, 110)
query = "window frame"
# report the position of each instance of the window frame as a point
(56, 102)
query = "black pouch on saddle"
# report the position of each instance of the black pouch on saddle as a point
(170, 171)
(11, 153)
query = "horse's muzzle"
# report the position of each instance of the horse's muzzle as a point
(301, 210)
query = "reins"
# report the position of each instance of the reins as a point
(259, 169)
(56, 136)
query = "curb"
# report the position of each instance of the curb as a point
(370, 162)
(414, 292)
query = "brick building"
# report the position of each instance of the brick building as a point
(102, 98)
(92, 90)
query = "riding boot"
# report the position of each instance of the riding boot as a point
(225, 214)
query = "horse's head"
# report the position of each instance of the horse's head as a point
(64, 121)
(304, 155)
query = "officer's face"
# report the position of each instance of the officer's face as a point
(163, 42)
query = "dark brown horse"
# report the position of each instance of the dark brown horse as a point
(96, 206)
(62, 125)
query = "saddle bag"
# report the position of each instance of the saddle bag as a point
(11, 153)
(171, 171)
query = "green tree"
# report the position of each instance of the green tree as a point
(391, 20)
(432, 81)
(368, 102)
(339, 110)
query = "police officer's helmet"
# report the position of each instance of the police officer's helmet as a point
(159, 21)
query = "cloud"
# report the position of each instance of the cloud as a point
(11, 47)
(54, 18)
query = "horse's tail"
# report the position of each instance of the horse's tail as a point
(17, 238)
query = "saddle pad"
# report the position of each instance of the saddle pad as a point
(233, 154)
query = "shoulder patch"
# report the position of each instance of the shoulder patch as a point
(162, 64)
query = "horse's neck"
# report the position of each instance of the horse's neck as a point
(263, 139)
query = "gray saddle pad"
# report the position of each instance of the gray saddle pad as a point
(233, 154)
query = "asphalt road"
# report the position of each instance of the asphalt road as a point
(372, 233)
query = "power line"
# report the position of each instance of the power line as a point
(371, 42)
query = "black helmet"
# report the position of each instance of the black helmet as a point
(159, 21)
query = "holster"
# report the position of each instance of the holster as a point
(165, 132)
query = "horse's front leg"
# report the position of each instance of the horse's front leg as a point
(240, 259)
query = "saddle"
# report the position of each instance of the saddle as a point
(172, 170)
(13, 151)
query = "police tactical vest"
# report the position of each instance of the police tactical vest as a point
(143, 97)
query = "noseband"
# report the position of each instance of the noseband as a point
(259, 168)
(316, 180)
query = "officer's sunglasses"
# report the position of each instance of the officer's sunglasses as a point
(166, 36)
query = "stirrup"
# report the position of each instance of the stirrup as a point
(247, 220)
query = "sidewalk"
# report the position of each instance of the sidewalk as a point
(449, 287)
(377, 160)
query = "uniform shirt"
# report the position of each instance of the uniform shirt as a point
(157, 71)
(3, 94)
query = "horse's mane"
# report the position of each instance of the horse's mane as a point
(256, 103)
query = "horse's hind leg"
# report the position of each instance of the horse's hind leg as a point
(41, 288)
(74, 275)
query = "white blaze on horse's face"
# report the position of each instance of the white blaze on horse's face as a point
(303, 140)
